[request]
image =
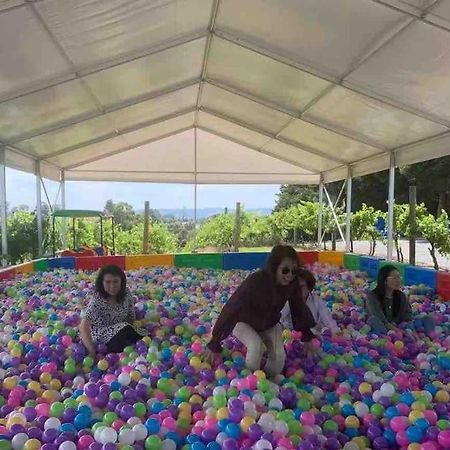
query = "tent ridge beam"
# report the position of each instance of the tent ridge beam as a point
(259, 150)
(272, 136)
(243, 43)
(76, 74)
(128, 147)
(118, 132)
(313, 121)
(114, 108)
(419, 15)
(212, 24)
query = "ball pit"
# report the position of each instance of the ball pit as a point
(362, 392)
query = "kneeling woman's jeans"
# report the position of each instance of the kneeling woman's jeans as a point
(425, 324)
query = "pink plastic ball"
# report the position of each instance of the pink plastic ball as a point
(197, 347)
(66, 341)
(431, 416)
(43, 409)
(402, 439)
(307, 418)
(429, 445)
(444, 438)
(85, 441)
(170, 423)
(398, 424)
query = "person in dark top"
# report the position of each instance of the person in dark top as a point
(387, 306)
(253, 312)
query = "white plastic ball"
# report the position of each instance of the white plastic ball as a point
(140, 431)
(376, 396)
(387, 390)
(276, 403)
(124, 379)
(168, 444)
(263, 444)
(361, 409)
(126, 436)
(259, 399)
(221, 438)
(67, 445)
(132, 421)
(108, 435)
(52, 423)
(281, 427)
(98, 432)
(18, 441)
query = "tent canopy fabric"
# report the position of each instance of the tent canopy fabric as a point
(75, 213)
(223, 91)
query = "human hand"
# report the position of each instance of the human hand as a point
(312, 349)
(209, 356)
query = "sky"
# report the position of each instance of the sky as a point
(21, 190)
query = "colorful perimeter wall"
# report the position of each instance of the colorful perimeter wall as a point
(411, 275)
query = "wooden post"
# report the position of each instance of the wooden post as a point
(412, 224)
(146, 228)
(237, 228)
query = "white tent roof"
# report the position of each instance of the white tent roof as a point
(223, 91)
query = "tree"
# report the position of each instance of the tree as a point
(22, 236)
(124, 214)
(436, 231)
(363, 226)
(292, 194)
(216, 231)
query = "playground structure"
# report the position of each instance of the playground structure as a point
(84, 250)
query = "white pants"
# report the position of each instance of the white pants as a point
(257, 344)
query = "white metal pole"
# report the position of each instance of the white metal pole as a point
(63, 206)
(3, 205)
(320, 217)
(195, 180)
(349, 211)
(333, 212)
(39, 207)
(391, 200)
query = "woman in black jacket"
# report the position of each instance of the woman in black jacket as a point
(253, 312)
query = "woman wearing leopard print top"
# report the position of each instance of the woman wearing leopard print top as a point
(110, 316)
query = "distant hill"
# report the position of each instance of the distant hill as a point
(203, 213)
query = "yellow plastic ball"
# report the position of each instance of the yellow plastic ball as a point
(365, 388)
(415, 415)
(16, 352)
(83, 399)
(352, 422)
(10, 383)
(418, 406)
(45, 378)
(103, 365)
(220, 373)
(222, 413)
(135, 375)
(196, 362)
(16, 419)
(246, 423)
(185, 416)
(55, 384)
(399, 345)
(36, 336)
(260, 375)
(442, 396)
(414, 446)
(179, 330)
(196, 399)
(32, 444)
(35, 386)
(185, 407)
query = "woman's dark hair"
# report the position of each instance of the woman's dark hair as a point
(115, 271)
(278, 253)
(380, 289)
(309, 278)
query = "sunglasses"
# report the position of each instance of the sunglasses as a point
(292, 270)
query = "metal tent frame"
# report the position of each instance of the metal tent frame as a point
(221, 92)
